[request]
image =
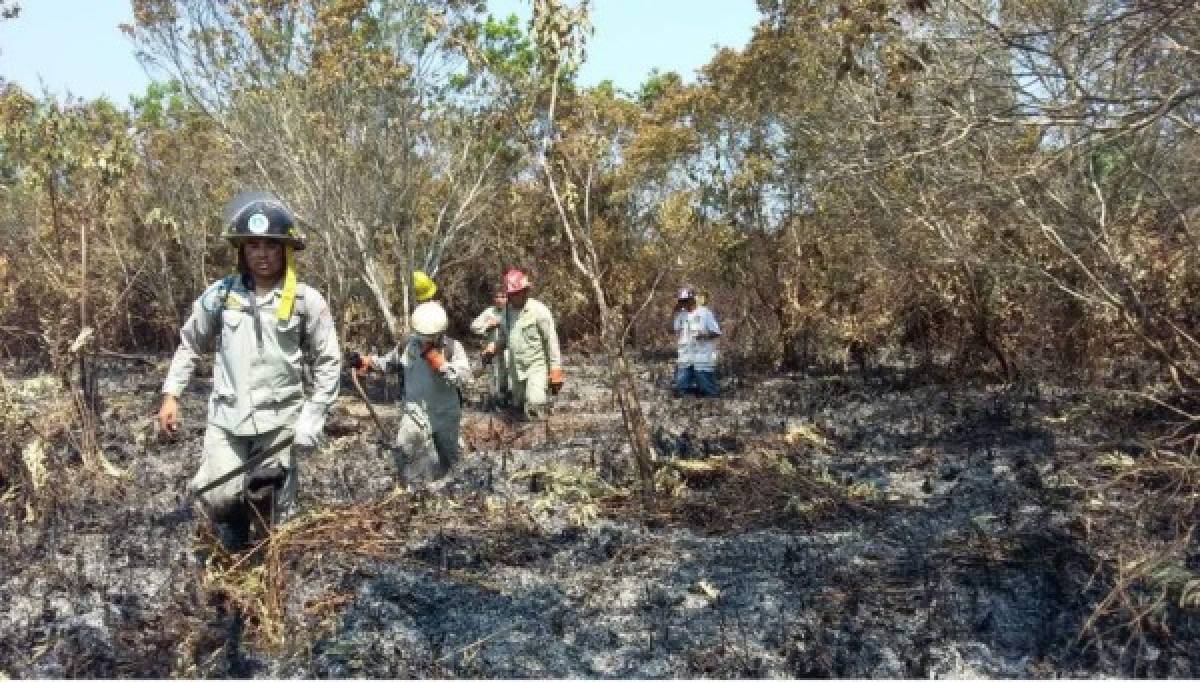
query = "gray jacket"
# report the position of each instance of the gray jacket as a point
(436, 392)
(530, 337)
(257, 381)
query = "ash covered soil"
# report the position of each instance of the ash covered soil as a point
(834, 525)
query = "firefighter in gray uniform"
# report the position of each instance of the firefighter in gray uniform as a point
(264, 327)
(529, 337)
(435, 370)
(489, 324)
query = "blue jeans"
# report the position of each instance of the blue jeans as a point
(704, 381)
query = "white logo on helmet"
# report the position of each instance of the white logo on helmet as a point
(258, 223)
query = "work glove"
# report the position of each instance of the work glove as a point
(310, 426)
(556, 380)
(489, 351)
(435, 358)
(357, 362)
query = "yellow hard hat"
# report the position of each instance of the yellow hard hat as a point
(423, 287)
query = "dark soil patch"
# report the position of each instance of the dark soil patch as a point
(805, 526)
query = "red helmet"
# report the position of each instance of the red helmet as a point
(515, 281)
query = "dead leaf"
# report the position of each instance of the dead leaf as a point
(805, 433)
(706, 589)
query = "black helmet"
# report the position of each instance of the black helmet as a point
(259, 215)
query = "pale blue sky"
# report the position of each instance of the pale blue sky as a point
(74, 45)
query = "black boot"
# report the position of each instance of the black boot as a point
(262, 492)
(234, 531)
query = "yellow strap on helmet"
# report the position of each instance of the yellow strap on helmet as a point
(288, 299)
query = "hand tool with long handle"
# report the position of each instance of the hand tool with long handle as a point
(385, 441)
(383, 434)
(251, 462)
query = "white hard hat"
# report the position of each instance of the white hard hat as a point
(429, 319)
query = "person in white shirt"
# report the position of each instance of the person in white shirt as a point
(696, 363)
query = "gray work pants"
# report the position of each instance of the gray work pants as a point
(224, 452)
(531, 393)
(427, 443)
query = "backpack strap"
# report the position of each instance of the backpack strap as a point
(300, 309)
(217, 323)
(226, 286)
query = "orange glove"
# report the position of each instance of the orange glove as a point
(435, 358)
(556, 380)
(359, 363)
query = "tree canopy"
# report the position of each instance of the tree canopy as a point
(1008, 187)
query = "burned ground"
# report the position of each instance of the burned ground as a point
(820, 525)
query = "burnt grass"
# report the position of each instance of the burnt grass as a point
(832, 525)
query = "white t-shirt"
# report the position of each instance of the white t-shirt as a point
(700, 354)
